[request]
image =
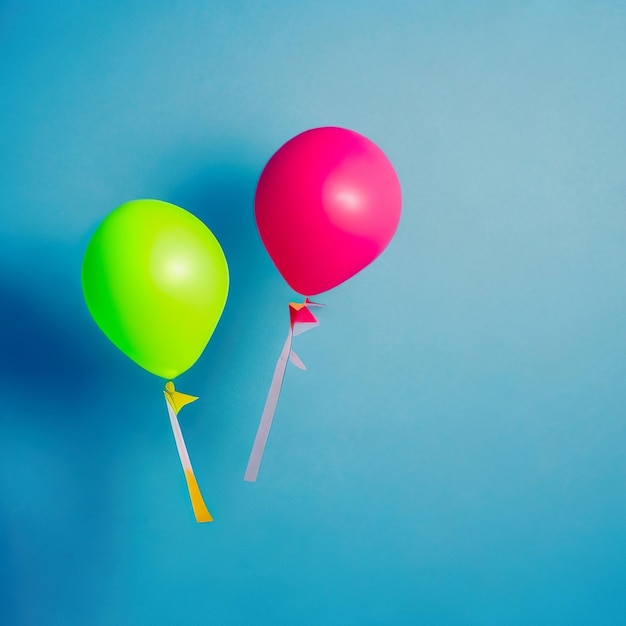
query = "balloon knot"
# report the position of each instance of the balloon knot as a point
(169, 387)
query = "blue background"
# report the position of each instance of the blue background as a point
(455, 453)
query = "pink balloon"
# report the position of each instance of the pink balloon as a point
(327, 204)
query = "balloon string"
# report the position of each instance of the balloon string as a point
(254, 463)
(197, 502)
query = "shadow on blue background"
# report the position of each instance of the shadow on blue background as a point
(45, 357)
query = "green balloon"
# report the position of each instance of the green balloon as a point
(155, 280)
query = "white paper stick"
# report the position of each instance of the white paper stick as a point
(197, 501)
(296, 360)
(254, 463)
(178, 437)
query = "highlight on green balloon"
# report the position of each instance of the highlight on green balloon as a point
(155, 280)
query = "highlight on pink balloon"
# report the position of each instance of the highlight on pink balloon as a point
(327, 204)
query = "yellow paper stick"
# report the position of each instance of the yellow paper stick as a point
(176, 401)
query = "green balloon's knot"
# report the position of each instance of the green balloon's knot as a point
(169, 387)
